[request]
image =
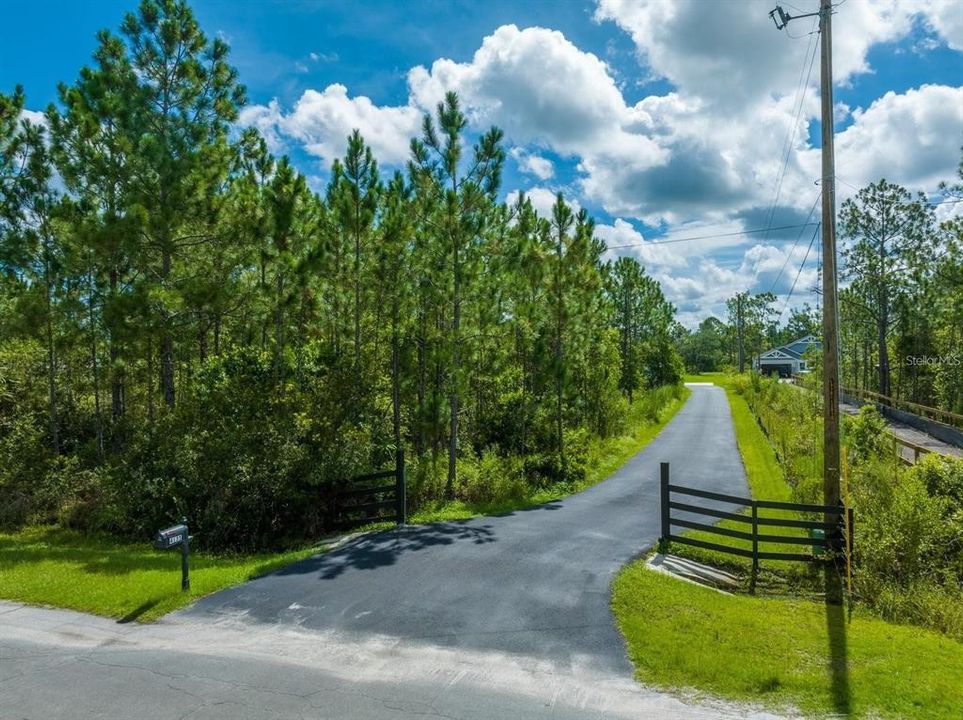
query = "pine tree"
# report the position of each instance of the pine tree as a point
(186, 96)
(463, 197)
(888, 241)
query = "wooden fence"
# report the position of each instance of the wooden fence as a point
(836, 532)
(365, 498)
(917, 450)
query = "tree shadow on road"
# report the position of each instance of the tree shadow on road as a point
(550, 505)
(384, 548)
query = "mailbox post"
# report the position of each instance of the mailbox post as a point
(173, 537)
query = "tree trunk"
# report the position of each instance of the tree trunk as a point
(51, 367)
(559, 434)
(116, 375)
(201, 337)
(422, 371)
(94, 368)
(357, 299)
(395, 377)
(150, 382)
(279, 328)
(739, 333)
(882, 325)
(167, 340)
(455, 369)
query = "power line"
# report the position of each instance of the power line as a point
(799, 100)
(799, 272)
(795, 243)
(794, 127)
(707, 237)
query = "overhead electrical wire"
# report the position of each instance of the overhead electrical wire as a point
(707, 237)
(800, 100)
(787, 151)
(800, 95)
(799, 272)
(772, 286)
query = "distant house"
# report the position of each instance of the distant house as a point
(788, 359)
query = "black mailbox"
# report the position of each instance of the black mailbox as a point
(177, 536)
(171, 537)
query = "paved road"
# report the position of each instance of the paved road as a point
(496, 617)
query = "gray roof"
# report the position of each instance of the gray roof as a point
(792, 356)
(795, 349)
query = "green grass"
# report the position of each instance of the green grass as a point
(62, 568)
(777, 652)
(603, 458)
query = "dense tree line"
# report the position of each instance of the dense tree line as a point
(187, 327)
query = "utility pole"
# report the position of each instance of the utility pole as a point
(831, 493)
(831, 464)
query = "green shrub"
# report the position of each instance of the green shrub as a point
(866, 435)
(942, 476)
(924, 602)
(900, 535)
(25, 444)
(661, 363)
(250, 466)
(490, 477)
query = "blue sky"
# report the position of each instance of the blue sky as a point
(665, 119)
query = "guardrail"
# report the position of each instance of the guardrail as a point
(944, 416)
(835, 533)
(364, 497)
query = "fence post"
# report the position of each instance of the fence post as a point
(849, 534)
(401, 488)
(755, 538)
(664, 483)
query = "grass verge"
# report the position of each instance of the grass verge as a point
(785, 653)
(97, 574)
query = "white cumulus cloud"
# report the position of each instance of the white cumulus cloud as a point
(322, 121)
(533, 164)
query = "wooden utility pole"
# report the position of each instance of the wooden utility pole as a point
(831, 493)
(831, 464)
